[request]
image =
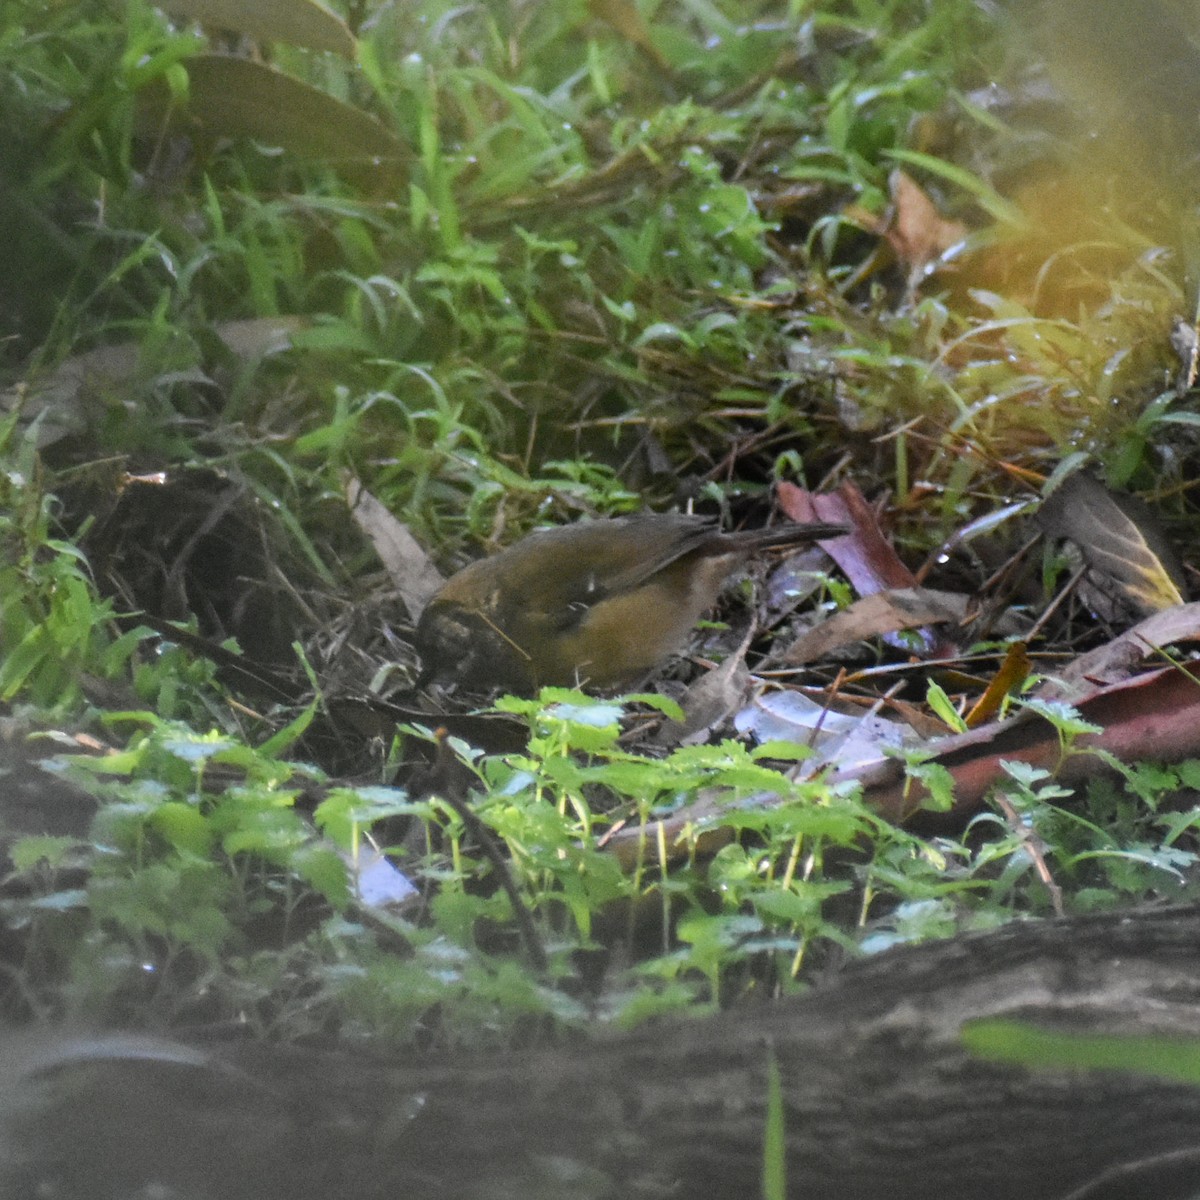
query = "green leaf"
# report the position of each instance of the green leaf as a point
(774, 1177)
(1157, 1056)
(280, 742)
(197, 748)
(183, 827)
(297, 22)
(324, 869)
(346, 812)
(29, 852)
(1063, 716)
(944, 707)
(237, 97)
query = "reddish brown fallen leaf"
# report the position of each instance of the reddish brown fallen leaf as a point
(1153, 718)
(864, 556)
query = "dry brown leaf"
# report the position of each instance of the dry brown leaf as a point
(1014, 670)
(884, 612)
(1119, 541)
(74, 393)
(708, 702)
(410, 568)
(624, 17)
(1116, 660)
(865, 556)
(917, 232)
(258, 337)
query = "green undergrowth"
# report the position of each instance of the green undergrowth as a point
(602, 256)
(589, 253)
(218, 879)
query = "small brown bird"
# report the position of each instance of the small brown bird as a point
(598, 602)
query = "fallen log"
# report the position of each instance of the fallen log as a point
(882, 1100)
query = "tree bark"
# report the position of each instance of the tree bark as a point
(882, 1102)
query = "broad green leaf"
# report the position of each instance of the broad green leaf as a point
(297, 22)
(236, 97)
(183, 826)
(29, 852)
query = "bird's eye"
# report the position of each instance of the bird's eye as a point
(453, 636)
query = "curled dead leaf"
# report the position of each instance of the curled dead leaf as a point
(918, 234)
(409, 567)
(1126, 553)
(884, 612)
